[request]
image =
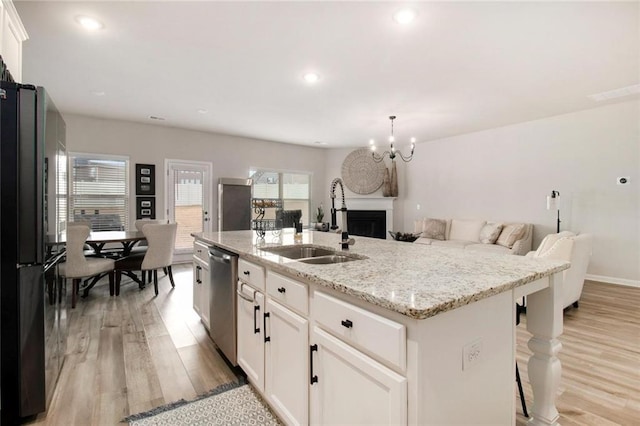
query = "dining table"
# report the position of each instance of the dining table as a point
(98, 241)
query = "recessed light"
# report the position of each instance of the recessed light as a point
(202, 111)
(89, 23)
(405, 16)
(320, 143)
(311, 77)
(98, 93)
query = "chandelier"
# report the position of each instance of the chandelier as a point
(392, 149)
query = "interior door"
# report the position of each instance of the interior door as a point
(188, 188)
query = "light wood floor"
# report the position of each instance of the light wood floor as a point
(135, 352)
(600, 358)
(131, 353)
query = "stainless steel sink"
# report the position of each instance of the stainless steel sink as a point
(334, 258)
(313, 255)
(300, 252)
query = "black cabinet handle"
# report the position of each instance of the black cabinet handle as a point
(198, 280)
(347, 323)
(246, 273)
(266, 338)
(282, 290)
(313, 378)
(256, 329)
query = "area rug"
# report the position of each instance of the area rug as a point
(231, 404)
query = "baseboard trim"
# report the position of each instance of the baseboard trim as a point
(613, 280)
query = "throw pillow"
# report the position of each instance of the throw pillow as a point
(434, 229)
(510, 234)
(490, 232)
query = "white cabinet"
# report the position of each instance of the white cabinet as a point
(251, 334)
(201, 284)
(287, 363)
(12, 34)
(251, 273)
(351, 388)
(357, 357)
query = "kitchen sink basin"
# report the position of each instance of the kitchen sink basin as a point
(313, 255)
(300, 252)
(334, 258)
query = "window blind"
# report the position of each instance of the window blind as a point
(99, 191)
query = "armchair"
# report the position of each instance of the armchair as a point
(573, 248)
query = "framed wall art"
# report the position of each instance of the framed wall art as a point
(145, 208)
(145, 179)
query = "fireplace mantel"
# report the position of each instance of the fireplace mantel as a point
(373, 203)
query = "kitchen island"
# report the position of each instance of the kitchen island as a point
(448, 315)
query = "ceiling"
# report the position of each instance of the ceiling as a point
(459, 67)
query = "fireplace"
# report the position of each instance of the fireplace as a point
(367, 223)
(383, 206)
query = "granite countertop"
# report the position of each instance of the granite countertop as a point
(416, 280)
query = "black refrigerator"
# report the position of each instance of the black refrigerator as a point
(32, 308)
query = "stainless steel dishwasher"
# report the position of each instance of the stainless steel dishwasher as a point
(222, 302)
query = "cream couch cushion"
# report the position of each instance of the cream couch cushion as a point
(466, 230)
(452, 243)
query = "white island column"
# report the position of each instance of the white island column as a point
(544, 321)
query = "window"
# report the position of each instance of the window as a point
(293, 188)
(99, 191)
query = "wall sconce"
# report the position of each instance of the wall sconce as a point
(553, 202)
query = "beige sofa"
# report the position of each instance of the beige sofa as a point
(494, 237)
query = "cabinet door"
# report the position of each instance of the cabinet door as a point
(251, 334)
(201, 290)
(287, 363)
(205, 310)
(352, 388)
(197, 285)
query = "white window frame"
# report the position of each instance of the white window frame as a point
(127, 197)
(280, 172)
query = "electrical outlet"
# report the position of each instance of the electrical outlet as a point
(471, 354)
(418, 207)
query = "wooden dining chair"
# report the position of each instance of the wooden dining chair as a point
(161, 239)
(77, 266)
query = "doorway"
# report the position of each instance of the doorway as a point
(188, 189)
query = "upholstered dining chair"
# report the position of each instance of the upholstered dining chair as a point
(77, 266)
(142, 246)
(161, 239)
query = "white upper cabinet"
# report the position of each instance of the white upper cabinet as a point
(11, 37)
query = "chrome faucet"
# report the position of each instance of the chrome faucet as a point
(345, 240)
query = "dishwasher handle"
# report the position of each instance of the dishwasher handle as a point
(220, 256)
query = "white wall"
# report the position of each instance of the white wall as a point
(505, 174)
(231, 156)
